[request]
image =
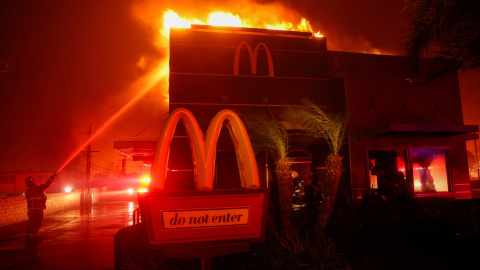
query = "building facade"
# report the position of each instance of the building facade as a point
(403, 135)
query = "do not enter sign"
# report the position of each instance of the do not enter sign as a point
(205, 218)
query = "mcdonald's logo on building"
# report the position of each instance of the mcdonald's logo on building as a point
(204, 221)
(204, 149)
(253, 58)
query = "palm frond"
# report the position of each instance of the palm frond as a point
(451, 28)
(268, 134)
(316, 122)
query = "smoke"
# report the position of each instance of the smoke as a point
(77, 60)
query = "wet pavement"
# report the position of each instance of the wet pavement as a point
(72, 239)
(83, 239)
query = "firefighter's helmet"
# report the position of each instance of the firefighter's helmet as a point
(29, 181)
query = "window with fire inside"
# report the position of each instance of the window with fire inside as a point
(408, 172)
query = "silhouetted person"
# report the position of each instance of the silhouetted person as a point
(314, 197)
(314, 187)
(386, 185)
(426, 178)
(36, 203)
(402, 187)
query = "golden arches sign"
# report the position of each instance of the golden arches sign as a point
(253, 58)
(204, 149)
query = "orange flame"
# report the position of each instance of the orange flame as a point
(221, 18)
(260, 19)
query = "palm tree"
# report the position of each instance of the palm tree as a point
(268, 134)
(332, 128)
(451, 28)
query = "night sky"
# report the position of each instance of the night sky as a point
(76, 63)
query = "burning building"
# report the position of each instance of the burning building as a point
(401, 132)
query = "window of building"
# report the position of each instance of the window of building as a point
(387, 171)
(408, 171)
(430, 172)
(7, 179)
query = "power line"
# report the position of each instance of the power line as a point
(156, 120)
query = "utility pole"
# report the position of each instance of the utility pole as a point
(89, 155)
(88, 197)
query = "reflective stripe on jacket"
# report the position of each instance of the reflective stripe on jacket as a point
(36, 203)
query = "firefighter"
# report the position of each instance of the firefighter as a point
(36, 200)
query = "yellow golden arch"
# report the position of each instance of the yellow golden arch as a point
(253, 58)
(204, 149)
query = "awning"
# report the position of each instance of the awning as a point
(409, 130)
(138, 150)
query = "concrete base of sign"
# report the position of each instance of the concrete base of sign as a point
(205, 251)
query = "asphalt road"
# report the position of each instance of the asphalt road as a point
(73, 239)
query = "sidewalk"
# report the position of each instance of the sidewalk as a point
(73, 239)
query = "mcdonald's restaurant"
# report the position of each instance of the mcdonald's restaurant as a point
(405, 133)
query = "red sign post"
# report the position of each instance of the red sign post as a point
(206, 222)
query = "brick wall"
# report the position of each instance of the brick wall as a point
(14, 209)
